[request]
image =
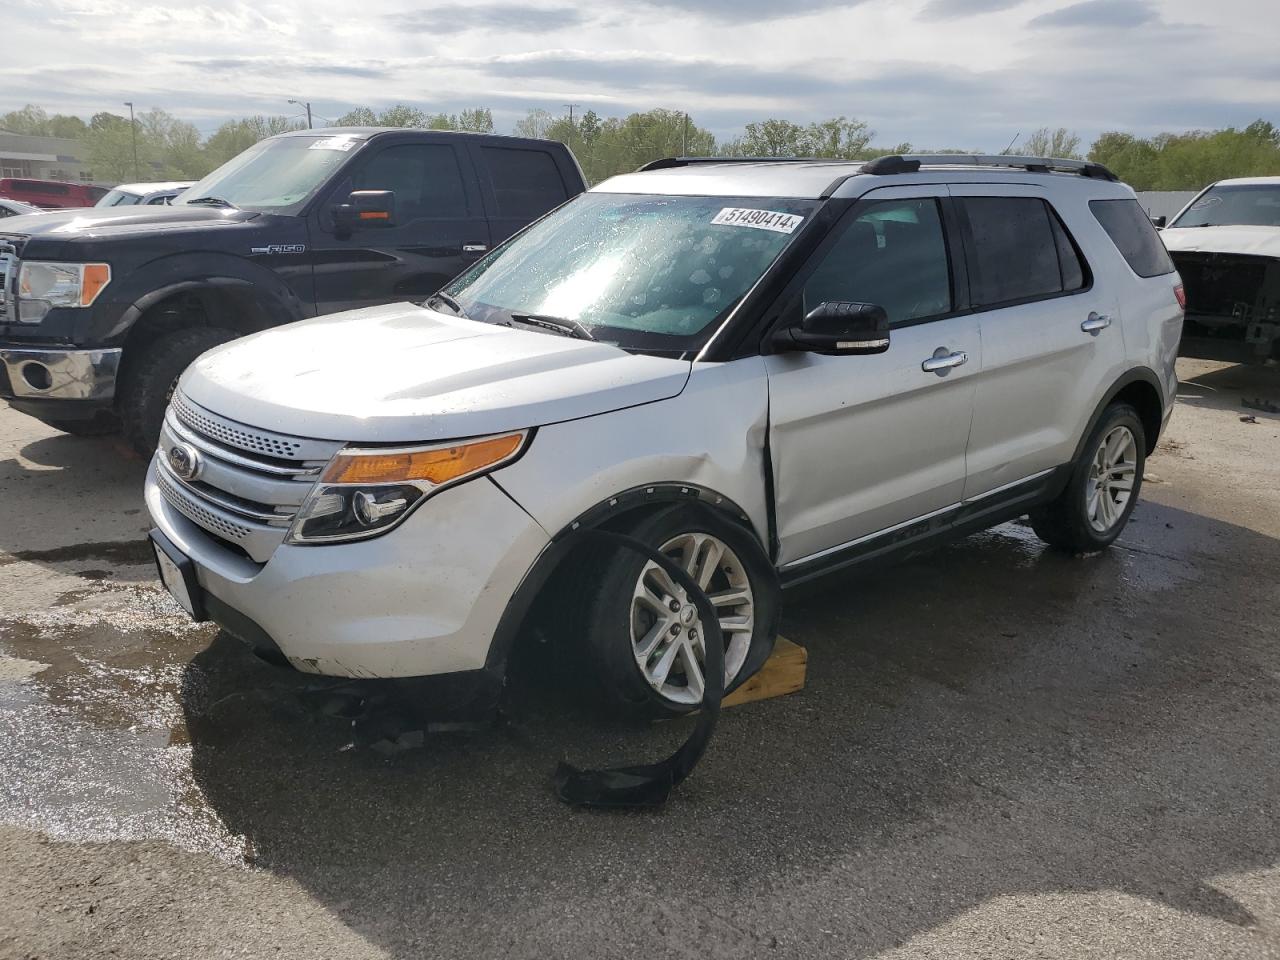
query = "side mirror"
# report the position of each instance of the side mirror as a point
(837, 328)
(366, 208)
(1160, 222)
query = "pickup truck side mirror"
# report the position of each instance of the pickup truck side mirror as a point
(366, 208)
(837, 328)
(1160, 222)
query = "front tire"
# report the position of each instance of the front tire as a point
(1103, 490)
(642, 632)
(153, 376)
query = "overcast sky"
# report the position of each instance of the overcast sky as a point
(962, 73)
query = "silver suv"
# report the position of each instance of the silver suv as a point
(767, 370)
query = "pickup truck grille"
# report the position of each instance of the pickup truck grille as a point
(250, 481)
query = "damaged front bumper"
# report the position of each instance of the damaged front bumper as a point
(1233, 306)
(424, 599)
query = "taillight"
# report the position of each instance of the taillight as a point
(1180, 292)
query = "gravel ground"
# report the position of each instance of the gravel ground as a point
(1001, 752)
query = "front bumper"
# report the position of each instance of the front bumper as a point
(424, 599)
(32, 374)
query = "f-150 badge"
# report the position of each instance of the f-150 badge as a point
(280, 248)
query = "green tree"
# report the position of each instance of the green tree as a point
(534, 124)
(236, 136)
(1061, 144)
(359, 117)
(477, 120)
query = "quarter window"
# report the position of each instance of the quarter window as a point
(893, 254)
(1134, 235)
(425, 178)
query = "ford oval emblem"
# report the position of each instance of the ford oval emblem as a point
(184, 461)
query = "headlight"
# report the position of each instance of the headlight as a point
(365, 492)
(45, 285)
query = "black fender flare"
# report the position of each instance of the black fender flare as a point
(178, 273)
(1135, 375)
(599, 515)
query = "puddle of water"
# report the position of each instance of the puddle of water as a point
(93, 741)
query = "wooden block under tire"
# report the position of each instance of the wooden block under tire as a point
(782, 673)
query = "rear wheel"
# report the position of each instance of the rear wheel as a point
(153, 376)
(1103, 490)
(643, 631)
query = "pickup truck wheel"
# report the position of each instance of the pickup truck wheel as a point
(643, 632)
(153, 376)
(1103, 490)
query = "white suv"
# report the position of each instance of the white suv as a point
(767, 370)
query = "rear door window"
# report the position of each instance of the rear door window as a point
(526, 183)
(894, 254)
(425, 178)
(1019, 251)
(1134, 235)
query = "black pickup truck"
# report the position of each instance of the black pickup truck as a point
(102, 309)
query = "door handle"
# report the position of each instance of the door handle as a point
(942, 361)
(1096, 323)
(474, 248)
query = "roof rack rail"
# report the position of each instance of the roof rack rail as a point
(667, 163)
(911, 163)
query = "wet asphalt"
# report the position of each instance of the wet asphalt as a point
(1000, 752)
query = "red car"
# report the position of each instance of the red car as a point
(50, 193)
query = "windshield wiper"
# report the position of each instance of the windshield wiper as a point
(213, 202)
(449, 302)
(555, 324)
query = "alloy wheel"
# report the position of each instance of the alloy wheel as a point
(666, 632)
(1111, 478)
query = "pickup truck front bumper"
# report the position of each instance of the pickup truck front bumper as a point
(58, 384)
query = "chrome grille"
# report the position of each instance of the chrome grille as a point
(189, 506)
(251, 481)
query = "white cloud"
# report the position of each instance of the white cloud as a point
(968, 73)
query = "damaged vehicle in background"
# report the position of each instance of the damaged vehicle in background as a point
(1226, 245)
(768, 371)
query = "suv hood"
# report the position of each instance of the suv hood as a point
(106, 222)
(405, 374)
(1247, 240)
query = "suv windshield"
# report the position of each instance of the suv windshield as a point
(645, 272)
(277, 174)
(1255, 205)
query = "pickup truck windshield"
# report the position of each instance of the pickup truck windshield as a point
(276, 175)
(644, 272)
(1256, 205)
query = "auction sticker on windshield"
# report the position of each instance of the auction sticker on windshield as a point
(334, 143)
(760, 219)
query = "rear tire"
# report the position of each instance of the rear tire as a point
(1103, 490)
(153, 375)
(616, 625)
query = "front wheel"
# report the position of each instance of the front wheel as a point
(153, 376)
(643, 631)
(1103, 490)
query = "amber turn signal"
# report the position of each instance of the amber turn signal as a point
(436, 465)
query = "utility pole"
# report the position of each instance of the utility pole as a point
(133, 131)
(307, 105)
(572, 129)
(685, 150)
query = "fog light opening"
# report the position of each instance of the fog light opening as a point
(37, 375)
